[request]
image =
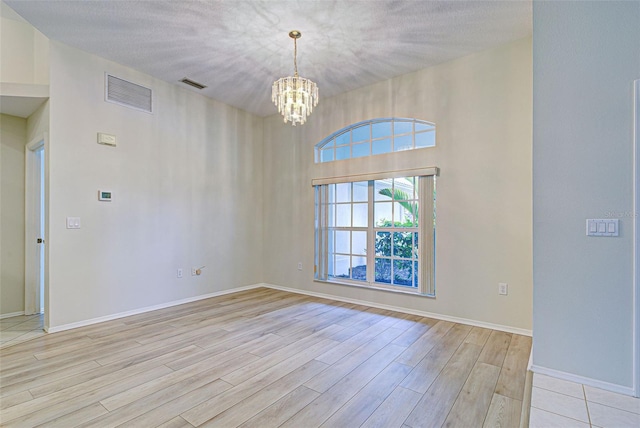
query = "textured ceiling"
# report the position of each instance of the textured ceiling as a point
(238, 48)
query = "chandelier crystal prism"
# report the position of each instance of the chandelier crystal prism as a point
(295, 96)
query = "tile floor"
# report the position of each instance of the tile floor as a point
(18, 329)
(563, 404)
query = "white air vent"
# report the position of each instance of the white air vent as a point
(128, 94)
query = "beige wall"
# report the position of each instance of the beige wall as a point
(38, 122)
(186, 185)
(13, 137)
(25, 51)
(482, 107)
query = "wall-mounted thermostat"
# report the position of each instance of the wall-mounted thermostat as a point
(105, 195)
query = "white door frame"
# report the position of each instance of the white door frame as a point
(636, 238)
(33, 213)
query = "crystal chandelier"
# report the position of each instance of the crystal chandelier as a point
(295, 96)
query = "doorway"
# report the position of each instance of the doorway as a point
(35, 227)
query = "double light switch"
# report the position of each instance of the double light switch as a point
(73, 222)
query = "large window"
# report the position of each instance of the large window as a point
(374, 137)
(377, 231)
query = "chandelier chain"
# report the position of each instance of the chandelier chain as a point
(295, 56)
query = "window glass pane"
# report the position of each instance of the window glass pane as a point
(329, 144)
(359, 268)
(341, 266)
(343, 152)
(343, 192)
(360, 191)
(426, 139)
(403, 213)
(331, 197)
(382, 214)
(380, 129)
(402, 127)
(360, 133)
(415, 245)
(360, 150)
(341, 242)
(331, 215)
(402, 245)
(381, 146)
(403, 272)
(383, 270)
(383, 244)
(359, 243)
(343, 215)
(326, 155)
(402, 193)
(360, 215)
(343, 139)
(378, 189)
(415, 274)
(404, 142)
(404, 188)
(423, 127)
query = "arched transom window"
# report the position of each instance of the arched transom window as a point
(375, 137)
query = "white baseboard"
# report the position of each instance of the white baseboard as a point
(582, 380)
(466, 321)
(12, 314)
(70, 326)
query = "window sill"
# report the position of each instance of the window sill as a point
(373, 287)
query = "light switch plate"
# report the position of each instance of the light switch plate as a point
(73, 223)
(603, 227)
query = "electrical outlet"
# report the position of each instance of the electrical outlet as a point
(179, 273)
(503, 288)
(194, 271)
(299, 265)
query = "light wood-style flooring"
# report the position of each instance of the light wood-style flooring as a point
(266, 358)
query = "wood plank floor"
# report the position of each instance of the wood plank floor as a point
(266, 358)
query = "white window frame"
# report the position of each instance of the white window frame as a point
(425, 230)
